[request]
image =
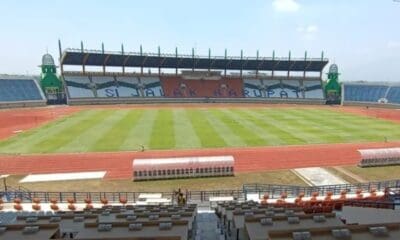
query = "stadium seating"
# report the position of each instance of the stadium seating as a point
(371, 93)
(79, 87)
(253, 88)
(364, 92)
(319, 214)
(313, 89)
(177, 87)
(128, 87)
(291, 89)
(274, 89)
(112, 87)
(393, 95)
(105, 86)
(13, 90)
(151, 87)
(99, 89)
(106, 222)
(261, 88)
(139, 87)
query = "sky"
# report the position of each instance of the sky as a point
(361, 36)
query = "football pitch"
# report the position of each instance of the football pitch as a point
(95, 130)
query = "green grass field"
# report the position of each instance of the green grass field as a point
(126, 129)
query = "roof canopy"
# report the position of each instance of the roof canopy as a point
(380, 153)
(182, 162)
(153, 60)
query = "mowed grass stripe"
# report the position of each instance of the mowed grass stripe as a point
(274, 135)
(335, 130)
(86, 141)
(140, 134)
(185, 136)
(242, 128)
(118, 133)
(58, 139)
(273, 127)
(313, 127)
(362, 128)
(23, 143)
(373, 129)
(298, 128)
(254, 127)
(204, 129)
(223, 129)
(162, 134)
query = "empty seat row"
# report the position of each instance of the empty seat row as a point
(12, 90)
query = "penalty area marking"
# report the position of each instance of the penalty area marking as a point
(63, 176)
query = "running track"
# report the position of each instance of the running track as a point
(119, 164)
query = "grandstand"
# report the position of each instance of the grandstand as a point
(274, 212)
(251, 211)
(377, 93)
(16, 91)
(215, 79)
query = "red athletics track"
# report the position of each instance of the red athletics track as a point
(22, 119)
(118, 165)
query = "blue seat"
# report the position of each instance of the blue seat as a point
(13, 90)
(393, 95)
(364, 93)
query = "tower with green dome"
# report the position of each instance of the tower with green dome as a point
(50, 83)
(333, 88)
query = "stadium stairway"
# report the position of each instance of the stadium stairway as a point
(208, 226)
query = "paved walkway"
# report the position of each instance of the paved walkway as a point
(207, 226)
(317, 176)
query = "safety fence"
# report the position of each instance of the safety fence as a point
(274, 192)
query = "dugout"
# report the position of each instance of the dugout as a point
(185, 167)
(379, 157)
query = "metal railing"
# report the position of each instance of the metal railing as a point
(274, 192)
(191, 196)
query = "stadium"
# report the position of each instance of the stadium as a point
(140, 145)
